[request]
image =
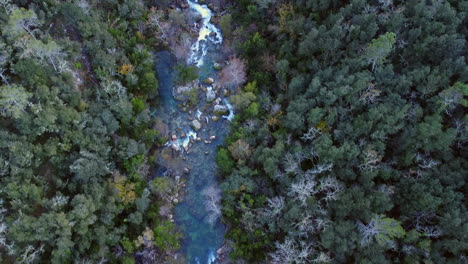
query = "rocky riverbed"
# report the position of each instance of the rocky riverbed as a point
(195, 117)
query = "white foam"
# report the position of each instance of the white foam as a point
(200, 46)
(211, 258)
(229, 117)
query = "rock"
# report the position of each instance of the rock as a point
(182, 92)
(202, 2)
(220, 110)
(197, 125)
(209, 80)
(217, 66)
(207, 142)
(175, 200)
(186, 148)
(198, 139)
(177, 178)
(174, 137)
(182, 135)
(218, 100)
(206, 153)
(213, 34)
(186, 171)
(210, 95)
(226, 92)
(212, 137)
(175, 147)
(215, 118)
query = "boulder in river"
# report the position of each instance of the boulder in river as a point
(220, 109)
(210, 95)
(212, 137)
(174, 137)
(182, 92)
(196, 125)
(217, 66)
(186, 171)
(209, 80)
(215, 118)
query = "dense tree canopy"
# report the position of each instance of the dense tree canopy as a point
(356, 154)
(75, 134)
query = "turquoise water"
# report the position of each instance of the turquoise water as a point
(203, 233)
(201, 238)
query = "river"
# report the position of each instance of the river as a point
(198, 214)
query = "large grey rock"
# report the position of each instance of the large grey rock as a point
(220, 109)
(209, 80)
(196, 125)
(181, 92)
(210, 95)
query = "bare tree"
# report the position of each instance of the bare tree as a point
(331, 187)
(383, 230)
(274, 207)
(323, 258)
(292, 162)
(21, 20)
(212, 203)
(3, 76)
(311, 134)
(234, 74)
(30, 254)
(324, 167)
(155, 19)
(371, 160)
(292, 252)
(306, 225)
(303, 189)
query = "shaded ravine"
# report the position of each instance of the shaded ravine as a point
(200, 223)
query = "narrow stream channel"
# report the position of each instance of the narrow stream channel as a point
(198, 214)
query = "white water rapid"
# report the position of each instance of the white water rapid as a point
(199, 48)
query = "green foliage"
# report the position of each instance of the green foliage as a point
(138, 104)
(186, 74)
(225, 24)
(224, 161)
(348, 115)
(72, 158)
(379, 49)
(166, 236)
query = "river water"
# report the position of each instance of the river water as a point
(198, 214)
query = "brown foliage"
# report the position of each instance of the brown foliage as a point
(234, 74)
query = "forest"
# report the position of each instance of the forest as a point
(348, 143)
